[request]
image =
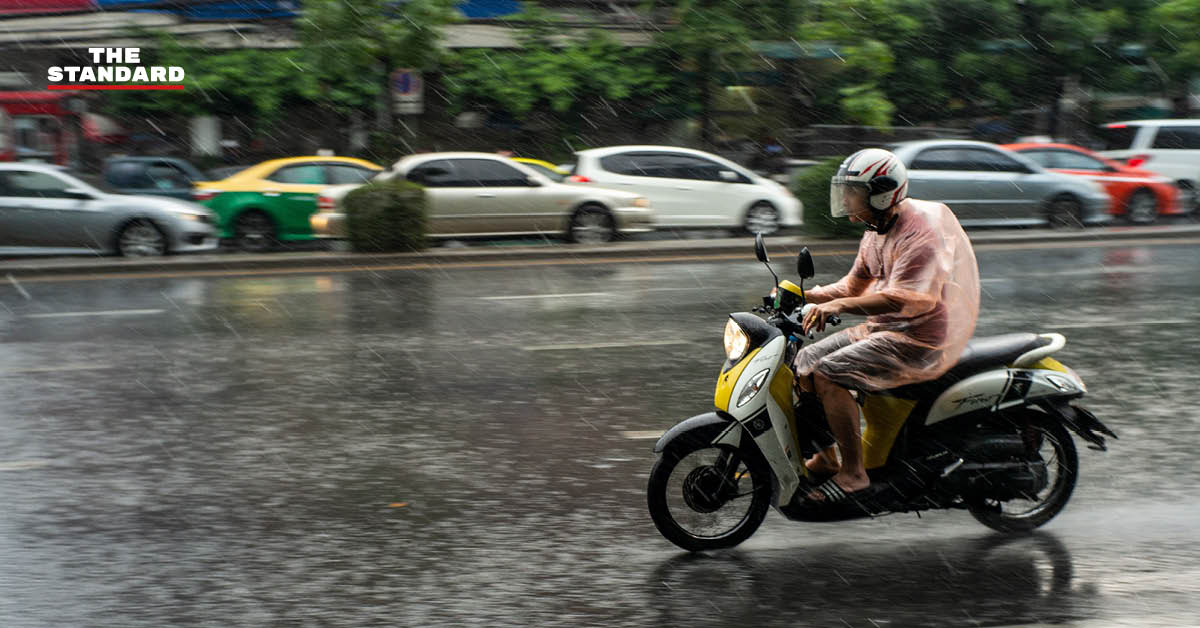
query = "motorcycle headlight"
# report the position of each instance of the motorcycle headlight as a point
(755, 385)
(736, 341)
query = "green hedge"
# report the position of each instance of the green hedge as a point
(386, 217)
(811, 186)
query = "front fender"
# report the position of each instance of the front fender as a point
(702, 427)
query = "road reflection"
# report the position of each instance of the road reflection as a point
(990, 580)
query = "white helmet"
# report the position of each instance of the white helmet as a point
(879, 172)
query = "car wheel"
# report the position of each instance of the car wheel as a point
(1066, 212)
(1189, 199)
(141, 238)
(762, 217)
(592, 224)
(254, 232)
(1141, 208)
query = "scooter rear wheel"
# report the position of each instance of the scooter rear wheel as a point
(707, 497)
(1057, 450)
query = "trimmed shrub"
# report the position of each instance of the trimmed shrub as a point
(811, 186)
(386, 217)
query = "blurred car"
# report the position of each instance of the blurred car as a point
(272, 201)
(1138, 195)
(1170, 148)
(224, 172)
(156, 176)
(43, 205)
(482, 194)
(986, 185)
(691, 188)
(545, 168)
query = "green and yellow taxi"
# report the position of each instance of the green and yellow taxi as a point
(271, 202)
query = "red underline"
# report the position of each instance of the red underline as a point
(115, 87)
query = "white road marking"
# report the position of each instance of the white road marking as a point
(101, 313)
(13, 281)
(1122, 324)
(548, 296)
(608, 345)
(56, 369)
(22, 465)
(642, 434)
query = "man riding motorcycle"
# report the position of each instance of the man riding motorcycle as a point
(915, 278)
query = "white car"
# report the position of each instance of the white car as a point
(1167, 147)
(483, 194)
(691, 188)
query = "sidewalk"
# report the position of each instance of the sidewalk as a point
(724, 247)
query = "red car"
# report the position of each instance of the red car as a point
(1139, 195)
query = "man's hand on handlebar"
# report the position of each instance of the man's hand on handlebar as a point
(816, 315)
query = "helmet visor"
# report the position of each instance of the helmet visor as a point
(847, 198)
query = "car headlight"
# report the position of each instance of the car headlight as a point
(190, 216)
(736, 341)
(752, 388)
(641, 202)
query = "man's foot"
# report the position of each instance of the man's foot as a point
(847, 484)
(819, 464)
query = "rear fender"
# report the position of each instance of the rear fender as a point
(1080, 421)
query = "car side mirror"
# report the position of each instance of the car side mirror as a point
(533, 182)
(760, 248)
(77, 194)
(804, 264)
(728, 176)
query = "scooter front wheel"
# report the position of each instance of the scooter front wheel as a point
(706, 497)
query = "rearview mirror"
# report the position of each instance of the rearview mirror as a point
(533, 182)
(760, 249)
(77, 194)
(728, 175)
(804, 264)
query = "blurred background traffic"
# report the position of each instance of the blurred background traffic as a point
(587, 121)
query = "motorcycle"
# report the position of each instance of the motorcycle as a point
(991, 436)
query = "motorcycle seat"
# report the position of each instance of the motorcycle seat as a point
(980, 355)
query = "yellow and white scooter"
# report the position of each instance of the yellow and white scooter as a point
(990, 436)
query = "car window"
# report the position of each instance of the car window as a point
(698, 168)
(127, 174)
(1118, 137)
(339, 174)
(1178, 137)
(640, 164)
(939, 159)
(980, 160)
(548, 173)
(490, 174)
(166, 176)
(308, 174)
(1044, 158)
(27, 183)
(1071, 160)
(439, 173)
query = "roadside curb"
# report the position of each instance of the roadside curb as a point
(648, 250)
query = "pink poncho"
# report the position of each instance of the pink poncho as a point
(926, 266)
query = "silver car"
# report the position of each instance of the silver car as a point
(482, 194)
(45, 206)
(986, 185)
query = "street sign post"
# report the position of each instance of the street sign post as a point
(408, 92)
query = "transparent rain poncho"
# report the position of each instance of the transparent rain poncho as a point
(926, 266)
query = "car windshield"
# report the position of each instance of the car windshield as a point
(1117, 137)
(224, 172)
(95, 181)
(548, 173)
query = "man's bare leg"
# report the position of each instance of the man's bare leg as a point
(824, 462)
(842, 413)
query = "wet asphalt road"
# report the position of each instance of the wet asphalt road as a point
(468, 447)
